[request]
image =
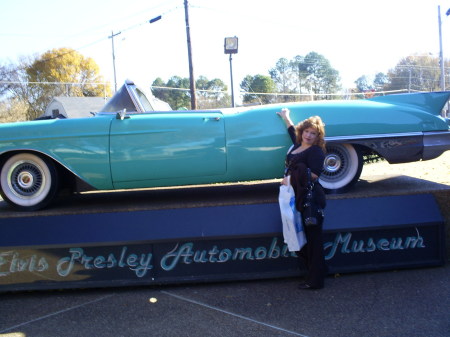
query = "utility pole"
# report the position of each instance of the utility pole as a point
(441, 54)
(114, 58)
(191, 67)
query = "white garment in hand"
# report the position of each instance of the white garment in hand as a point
(293, 233)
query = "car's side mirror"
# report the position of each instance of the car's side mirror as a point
(122, 115)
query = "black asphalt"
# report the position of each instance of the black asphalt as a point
(413, 303)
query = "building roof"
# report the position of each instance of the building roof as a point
(75, 107)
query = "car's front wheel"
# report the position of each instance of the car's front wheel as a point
(28, 182)
(342, 167)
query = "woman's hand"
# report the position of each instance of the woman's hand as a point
(285, 115)
(285, 181)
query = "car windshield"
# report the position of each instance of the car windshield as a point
(134, 100)
(121, 100)
(144, 101)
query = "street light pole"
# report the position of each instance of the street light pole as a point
(232, 86)
(231, 47)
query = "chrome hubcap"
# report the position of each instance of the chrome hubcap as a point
(333, 163)
(26, 179)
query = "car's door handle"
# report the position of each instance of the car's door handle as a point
(211, 119)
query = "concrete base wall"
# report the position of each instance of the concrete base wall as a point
(443, 200)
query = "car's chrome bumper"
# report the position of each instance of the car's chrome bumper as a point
(435, 143)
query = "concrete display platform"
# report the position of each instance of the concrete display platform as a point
(214, 243)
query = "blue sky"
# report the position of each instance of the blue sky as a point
(357, 37)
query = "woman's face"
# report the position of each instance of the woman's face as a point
(309, 136)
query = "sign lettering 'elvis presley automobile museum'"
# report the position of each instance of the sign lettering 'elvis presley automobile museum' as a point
(218, 243)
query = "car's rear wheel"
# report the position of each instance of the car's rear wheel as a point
(342, 167)
(28, 182)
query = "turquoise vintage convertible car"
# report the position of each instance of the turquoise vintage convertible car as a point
(129, 145)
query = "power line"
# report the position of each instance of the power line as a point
(111, 23)
(91, 43)
(56, 83)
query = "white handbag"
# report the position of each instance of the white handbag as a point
(293, 234)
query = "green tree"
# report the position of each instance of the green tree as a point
(210, 93)
(58, 72)
(380, 81)
(283, 76)
(175, 92)
(321, 78)
(363, 84)
(367, 83)
(299, 71)
(159, 92)
(179, 98)
(256, 87)
(305, 74)
(416, 73)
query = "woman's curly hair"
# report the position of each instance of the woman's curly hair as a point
(316, 123)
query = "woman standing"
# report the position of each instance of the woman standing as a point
(308, 151)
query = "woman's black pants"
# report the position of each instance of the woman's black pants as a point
(313, 256)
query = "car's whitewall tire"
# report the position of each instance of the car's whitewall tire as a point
(28, 182)
(342, 167)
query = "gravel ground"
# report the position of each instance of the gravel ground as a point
(437, 170)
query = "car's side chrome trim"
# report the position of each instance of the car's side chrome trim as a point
(375, 136)
(401, 147)
(394, 147)
(435, 143)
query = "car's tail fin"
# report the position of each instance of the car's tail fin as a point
(431, 102)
